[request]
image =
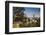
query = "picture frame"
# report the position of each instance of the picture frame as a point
(11, 5)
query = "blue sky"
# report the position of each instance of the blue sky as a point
(29, 11)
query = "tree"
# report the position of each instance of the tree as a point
(19, 12)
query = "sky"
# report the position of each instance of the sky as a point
(29, 11)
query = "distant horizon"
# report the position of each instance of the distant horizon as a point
(32, 17)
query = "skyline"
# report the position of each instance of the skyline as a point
(32, 11)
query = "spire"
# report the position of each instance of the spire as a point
(33, 15)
